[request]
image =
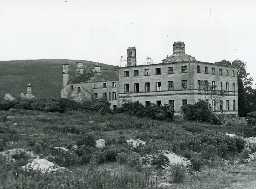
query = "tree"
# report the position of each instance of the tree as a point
(246, 93)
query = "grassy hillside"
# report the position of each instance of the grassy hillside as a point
(44, 75)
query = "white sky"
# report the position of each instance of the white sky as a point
(101, 30)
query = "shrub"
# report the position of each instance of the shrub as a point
(199, 112)
(160, 161)
(152, 111)
(87, 140)
(6, 105)
(196, 163)
(64, 158)
(133, 159)
(178, 173)
(121, 158)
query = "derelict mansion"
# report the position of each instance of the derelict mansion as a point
(178, 80)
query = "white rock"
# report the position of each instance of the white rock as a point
(61, 148)
(175, 159)
(8, 97)
(231, 135)
(164, 185)
(100, 143)
(135, 143)
(43, 166)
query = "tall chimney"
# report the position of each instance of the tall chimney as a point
(178, 48)
(65, 74)
(131, 56)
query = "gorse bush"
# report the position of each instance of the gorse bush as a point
(152, 111)
(199, 112)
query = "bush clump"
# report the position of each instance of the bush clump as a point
(152, 111)
(199, 111)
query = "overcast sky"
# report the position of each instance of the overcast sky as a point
(101, 30)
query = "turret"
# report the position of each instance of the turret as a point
(29, 89)
(80, 68)
(131, 56)
(65, 74)
(178, 48)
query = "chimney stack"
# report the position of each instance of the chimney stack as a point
(131, 56)
(178, 48)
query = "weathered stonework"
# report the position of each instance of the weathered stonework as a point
(178, 80)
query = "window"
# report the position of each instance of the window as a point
(213, 71)
(104, 85)
(147, 103)
(227, 105)
(113, 95)
(227, 72)
(227, 86)
(171, 103)
(170, 85)
(184, 69)
(72, 87)
(221, 105)
(158, 103)
(147, 87)
(104, 95)
(95, 95)
(213, 85)
(221, 86)
(158, 86)
(184, 102)
(146, 72)
(234, 87)
(136, 73)
(199, 83)
(234, 105)
(113, 84)
(126, 73)
(170, 70)
(78, 89)
(136, 87)
(109, 96)
(233, 73)
(184, 84)
(214, 105)
(198, 69)
(158, 71)
(206, 85)
(220, 71)
(126, 88)
(114, 107)
(206, 70)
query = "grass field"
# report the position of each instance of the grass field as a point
(41, 132)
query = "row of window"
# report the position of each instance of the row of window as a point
(202, 84)
(104, 85)
(205, 85)
(214, 104)
(184, 69)
(108, 96)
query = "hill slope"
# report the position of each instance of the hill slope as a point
(45, 76)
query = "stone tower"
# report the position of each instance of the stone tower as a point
(79, 68)
(131, 56)
(65, 74)
(178, 48)
(29, 89)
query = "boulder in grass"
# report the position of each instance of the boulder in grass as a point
(9, 97)
(100, 143)
(42, 166)
(136, 143)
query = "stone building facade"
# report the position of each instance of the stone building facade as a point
(179, 79)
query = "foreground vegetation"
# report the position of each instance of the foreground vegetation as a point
(117, 165)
